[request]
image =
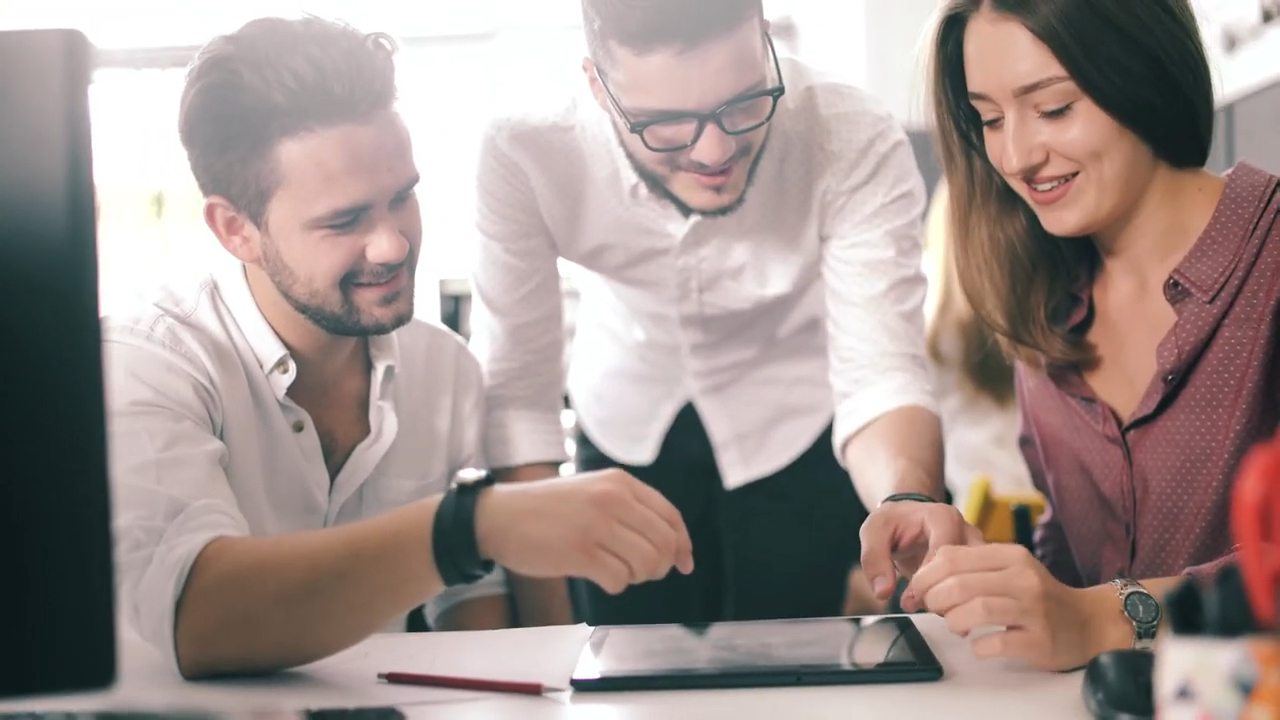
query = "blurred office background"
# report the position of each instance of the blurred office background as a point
(463, 60)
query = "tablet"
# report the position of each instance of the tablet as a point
(757, 653)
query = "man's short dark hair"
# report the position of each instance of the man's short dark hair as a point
(647, 26)
(271, 80)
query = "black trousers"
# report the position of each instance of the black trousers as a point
(779, 547)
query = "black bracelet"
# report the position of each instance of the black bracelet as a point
(453, 536)
(911, 497)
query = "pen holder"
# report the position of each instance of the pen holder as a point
(1199, 677)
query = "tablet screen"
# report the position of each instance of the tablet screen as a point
(768, 652)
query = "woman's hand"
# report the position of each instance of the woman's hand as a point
(1046, 623)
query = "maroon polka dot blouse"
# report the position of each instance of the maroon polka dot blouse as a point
(1149, 497)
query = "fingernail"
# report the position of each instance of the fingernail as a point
(881, 586)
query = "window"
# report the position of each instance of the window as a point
(458, 65)
(469, 54)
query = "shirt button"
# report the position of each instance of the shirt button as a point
(1171, 378)
(299, 426)
(282, 367)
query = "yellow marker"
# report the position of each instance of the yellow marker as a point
(993, 514)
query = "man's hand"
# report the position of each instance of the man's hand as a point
(606, 527)
(899, 536)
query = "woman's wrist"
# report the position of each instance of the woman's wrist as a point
(1108, 627)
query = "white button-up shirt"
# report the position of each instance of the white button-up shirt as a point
(801, 309)
(204, 442)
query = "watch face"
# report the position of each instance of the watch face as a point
(469, 475)
(1142, 608)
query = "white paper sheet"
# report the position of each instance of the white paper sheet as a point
(545, 655)
(346, 680)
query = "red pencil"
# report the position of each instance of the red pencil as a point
(462, 683)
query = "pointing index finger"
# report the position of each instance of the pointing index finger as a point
(876, 536)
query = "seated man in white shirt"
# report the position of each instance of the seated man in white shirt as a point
(281, 434)
(750, 328)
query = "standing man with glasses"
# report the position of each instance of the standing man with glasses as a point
(750, 332)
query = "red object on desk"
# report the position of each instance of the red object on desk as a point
(1255, 522)
(462, 683)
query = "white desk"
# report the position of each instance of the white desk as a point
(985, 690)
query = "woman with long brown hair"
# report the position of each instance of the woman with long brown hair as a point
(972, 377)
(1138, 294)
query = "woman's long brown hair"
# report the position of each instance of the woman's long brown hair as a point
(956, 336)
(1144, 65)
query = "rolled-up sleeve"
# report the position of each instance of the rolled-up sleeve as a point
(467, 451)
(875, 285)
(517, 314)
(170, 493)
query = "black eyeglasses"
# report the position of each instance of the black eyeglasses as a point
(739, 116)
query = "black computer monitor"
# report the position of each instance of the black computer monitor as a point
(56, 596)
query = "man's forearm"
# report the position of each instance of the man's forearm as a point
(261, 604)
(537, 601)
(900, 451)
(538, 471)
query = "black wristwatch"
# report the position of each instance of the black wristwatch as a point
(1142, 610)
(909, 497)
(453, 537)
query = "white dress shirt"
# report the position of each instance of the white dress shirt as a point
(802, 308)
(204, 443)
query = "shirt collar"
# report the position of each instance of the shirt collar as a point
(384, 356)
(1209, 262)
(1212, 258)
(270, 351)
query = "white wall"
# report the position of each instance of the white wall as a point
(894, 47)
(1254, 61)
(873, 43)
(832, 33)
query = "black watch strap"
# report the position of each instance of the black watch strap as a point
(453, 537)
(909, 497)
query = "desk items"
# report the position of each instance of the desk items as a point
(1117, 685)
(1255, 521)
(971, 690)
(760, 653)
(1000, 517)
(1222, 656)
(1024, 526)
(466, 683)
